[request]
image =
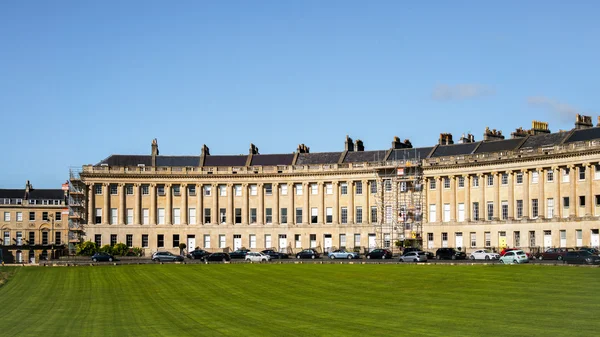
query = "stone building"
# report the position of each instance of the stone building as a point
(536, 189)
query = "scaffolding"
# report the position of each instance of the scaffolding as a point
(399, 200)
(77, 204)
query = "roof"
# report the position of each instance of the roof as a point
(12, 193)
(272, 159)
(177, 161)
(406, 154)
(455, 149)
(544, 140)
(126, 160)
(33, 194)
(584, 134)
(499, 145)
(365, 156)
(239, 160)
(318, 158)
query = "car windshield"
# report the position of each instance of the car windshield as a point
(585, 253)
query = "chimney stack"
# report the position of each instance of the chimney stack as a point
(583, 122)
(538, 127)
(491, 135)
(358, 145)
(303, 149)
(154, 151)
(469, 138)
(397, 144)
(349, 145)
(253, 149)
(519, 133)
(445, 139)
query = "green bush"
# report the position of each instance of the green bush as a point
(87, 248)
(120, 249)
(135, 251)
(106, 249)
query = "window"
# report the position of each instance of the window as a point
(98, 240)
(344, 188)
(373, 214)
(45, 216)
(476, 211)
(582, 201)
(268, 243)
(504, 178)
(534, 177)
(192, 190)
(238, 215)
(113, 189)
(238, 190)
(550, 176)
(161, 216)
(314, 189)
(473, 240)
(388, 214)
(531, 238)
(597, 200)
(223, 190)
(44, 238)
(446, 183)
(519, 209)
(175, 240)
(19, 238)
(388, 185)
(566, 202)
(446, 212)
(344, 215)
(145, 189)
(176, 216)
(461, 212)
(475, 181)
(550, 208)
(582, 173)
(6, 216)
(58, 216)
(359, 187)
(32, 215)
(488, 239)
(565, 175)
(517, 238)
(432, 213)
(356, 240)
(206, 241)
(299, 215)
(252, 241)
(269, 215)
(297, 241)
(444, 239)
(386, 240)
(31, 238)
(403, 186)
(519, 177)
(342, 240)
(534, 208)
(328, 215)
(97, 189)
(207, 190)
(146, 216)
(113, 216)
(129, 240)
(284, 189)
(490, 210)
(192, 215)
(461, 182)
(268, 190)
(504, 206)
(298, 189)
(596, 171)
(129, 189)
(222, 241)
(253, 190)
(252, 215)
(490, 180)
(431, 184)
(98, 215)
(314, 215)
(113, 239)
(373, 187)
(160, 189)
(329, 188)
(359, 214)
(222, 215)
(129, 216)
(207, 217)
(284, 215)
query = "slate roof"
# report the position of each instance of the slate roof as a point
(402, 154)
(364, 156)
(239, 160)
(584, 134)
(455, 149)
(272, 159)
(318, 158)
(177, 161)
(545, 139)
(33, 194)
(499, 145)
(126, 160)
(12, 193)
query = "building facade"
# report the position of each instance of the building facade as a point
(537, 189)
(33, 225)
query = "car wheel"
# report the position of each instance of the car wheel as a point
(559, 258)
(453, 257)
(400, 260)
(349, 257)
(487, 257)
(515, 261)
(472, 257)
(224, 260)
(312, 257)
(95, 259)
(438, 257)
(110, 259)
(383, 257)
(247, 260)
(415, 260)
(502, 261)
(298, 257)
(156, 260)
(368, 257)
(540, 258)
(332, 257)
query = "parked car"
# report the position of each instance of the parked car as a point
(413, 256)
(308, 254)
(102, 257)
(257, 257)
(343, 254)
(506, 250)
(484, 254)
(514, 256)
(239, 254)
(592, 251)
(166, 256)
(450, 254)
(218, 257)
(198, 254)
(275, 254)
(581, 257)
(554, 253)
(379, 254)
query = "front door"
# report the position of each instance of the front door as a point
(459, 240)
(19, 256)
(547, 239)
(237, 242)
(191, 243)
(595, 239)
(563, 238)
(372, 241)
(328, 242)
(502, 240)
(31, 256)
(282, 243)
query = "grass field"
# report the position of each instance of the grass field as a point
(300, 300)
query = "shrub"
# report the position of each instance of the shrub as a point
(87, 248)
(182, 246)
(106, 249)
(135, 251)
(120, 249)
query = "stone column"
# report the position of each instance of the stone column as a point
(497, 202)
(153, 211)
(261, 204)
(121, 214)
(511, 196)
(453, 199)
(230, 209)
(184, 204)
(573, 202)
(440, 206)
(215, 210)
(245, 200)
(558, 202)
(482, 203)
(467, 197)
(351, 202)
(169, 206)
(321, 191)
(291, 211)
(336, 203)
(276, 203)
(137, 210)
(541, 195)
(306, 206)
(91, 205)
(367, 211)
(526, 202)
(106, 211)
(590, 193)
(199, 204)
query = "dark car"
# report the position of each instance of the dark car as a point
(592, 251)
(581, 257)
(308, 254)
(379, 254)
(198, 254)
(218, 257)
(450, 254)
(239, 254)
(554, 253)
(275, 255)
(166, 256)
(102, 257)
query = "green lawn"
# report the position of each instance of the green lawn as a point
(301, 300)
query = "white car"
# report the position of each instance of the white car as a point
(484, 254)
(257, 257)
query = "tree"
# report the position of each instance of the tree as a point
(120, 249)
(106, 249)
(87, 248)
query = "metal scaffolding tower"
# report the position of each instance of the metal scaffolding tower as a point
(77, 204)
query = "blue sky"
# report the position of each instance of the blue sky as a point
(80, 80)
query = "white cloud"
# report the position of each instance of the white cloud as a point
(564, 111)
(445, 92)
